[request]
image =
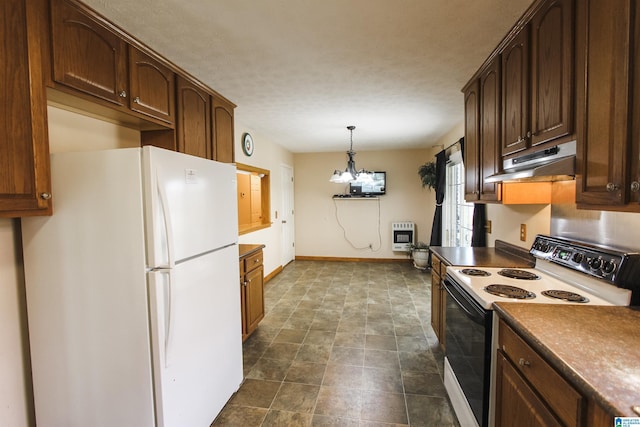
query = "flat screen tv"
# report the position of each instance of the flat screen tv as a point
(376, 187)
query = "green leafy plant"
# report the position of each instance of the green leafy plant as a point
(427, 174)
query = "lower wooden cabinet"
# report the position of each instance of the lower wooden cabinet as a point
(519, 403)
(438, 298)
(251, 292)
(530, 392)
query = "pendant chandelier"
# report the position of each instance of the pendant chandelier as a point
(351, 174)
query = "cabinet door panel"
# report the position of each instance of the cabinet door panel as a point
(254, 298)
(472, 141)
(223, 130)
(24, 149)
(490, 160)
(152, 87)
(516, 403)
(603, 76)
(552, 72)
(86, 55)
(515, 94)
(194, 121)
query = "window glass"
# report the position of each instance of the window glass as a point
(457, 215)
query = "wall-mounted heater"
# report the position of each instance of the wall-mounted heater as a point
(402, 235)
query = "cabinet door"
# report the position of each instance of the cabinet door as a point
(516, 402)
(25, 181)
(634, 184)
(193, 125)
(515, 93)
(603, 40)
(552, 71)
(472, 141)
(490, 160)
(152, 87)
(254, 298)
(86, 55)
(222, 130)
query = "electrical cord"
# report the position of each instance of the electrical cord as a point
(344, 230)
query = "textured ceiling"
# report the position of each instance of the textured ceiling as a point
(300, 71)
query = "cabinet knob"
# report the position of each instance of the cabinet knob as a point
(122, 94)
(611, 187)
(245, 283)
(45, 196)
(523, 362)
(528, 134)
(257, 260)
(635, 186)
(136, 100)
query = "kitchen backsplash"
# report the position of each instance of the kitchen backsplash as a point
(619, 230)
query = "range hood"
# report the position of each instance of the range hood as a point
(553, 164)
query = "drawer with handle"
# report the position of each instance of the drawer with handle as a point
(563, 399)
(253, 261)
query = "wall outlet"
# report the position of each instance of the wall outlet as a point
(523, 232)
(488, 226)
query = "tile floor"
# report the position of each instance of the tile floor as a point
(343, 344)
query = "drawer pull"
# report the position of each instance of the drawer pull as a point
(257, 260)
(523, 362)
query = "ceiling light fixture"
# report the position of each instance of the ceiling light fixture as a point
(350, 173)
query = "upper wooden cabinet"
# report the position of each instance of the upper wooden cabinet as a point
(515, 94)
(490, 160)
(91, 58)
(482, 134)
(151, 86)
(25, 184)
(608, 132)
(86, 55)
(552, 72)
(537, 78)
(222, 111)
(193, 126)
(472, 141)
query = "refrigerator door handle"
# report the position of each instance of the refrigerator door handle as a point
(163, 221)
(160, 296)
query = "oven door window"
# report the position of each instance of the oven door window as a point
(468, 338)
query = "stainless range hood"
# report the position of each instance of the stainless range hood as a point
(553, 164)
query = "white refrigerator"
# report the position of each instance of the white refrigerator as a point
(132, 291)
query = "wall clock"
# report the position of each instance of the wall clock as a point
(247, 144)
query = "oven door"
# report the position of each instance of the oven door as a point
(468, 338)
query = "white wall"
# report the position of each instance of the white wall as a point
(67, 131)
(506, 220)
(16, 407)
(271, 156)
(344, 228)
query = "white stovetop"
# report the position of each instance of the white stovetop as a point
(565, 281)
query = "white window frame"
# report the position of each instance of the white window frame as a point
(457, 214)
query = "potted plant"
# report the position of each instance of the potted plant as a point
(427, 174)
(419, 252)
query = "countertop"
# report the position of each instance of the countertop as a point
(246, 249)
(596, 348)
(502, 255)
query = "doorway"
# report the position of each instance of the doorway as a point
(286, 215)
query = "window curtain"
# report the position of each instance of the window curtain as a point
(479, 232)
(436, 229)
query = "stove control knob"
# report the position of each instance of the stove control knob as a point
(577, 257)
(595, 263)
(608, 267)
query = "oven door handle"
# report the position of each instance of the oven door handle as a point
(476, 314)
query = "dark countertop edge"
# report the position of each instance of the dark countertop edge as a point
(247, 249)
(583, 386)
(504, 255)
